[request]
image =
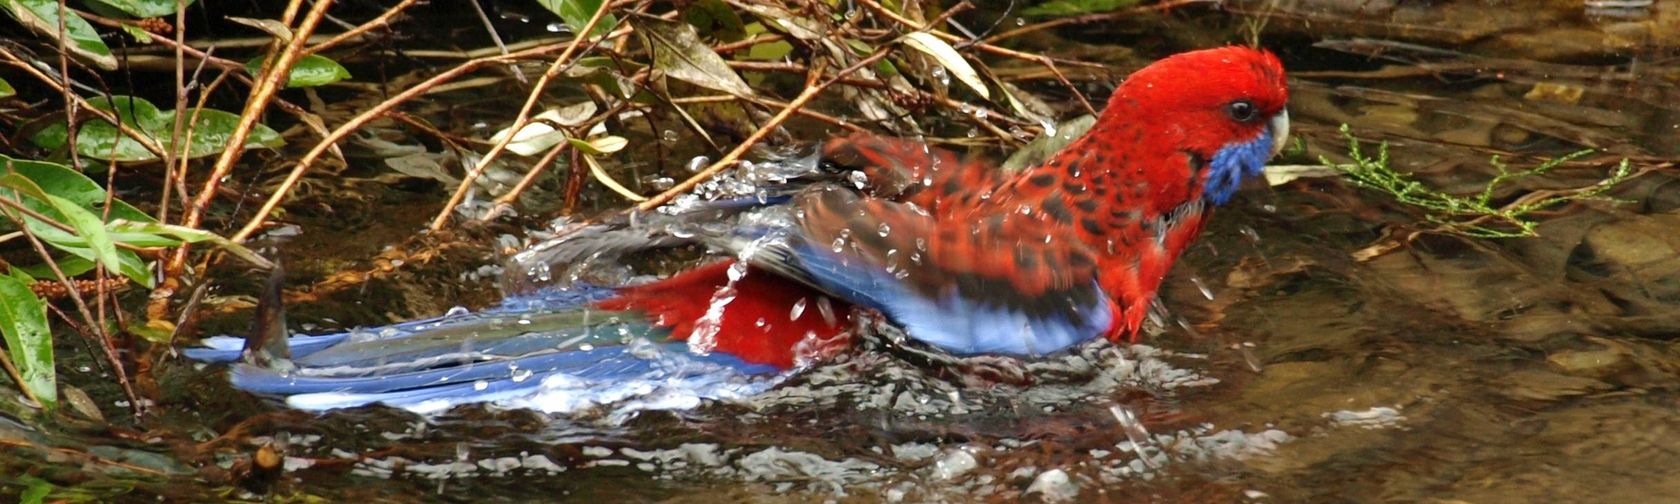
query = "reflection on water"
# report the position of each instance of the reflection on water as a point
(1287, 370)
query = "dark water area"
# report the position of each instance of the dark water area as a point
(1313, 347)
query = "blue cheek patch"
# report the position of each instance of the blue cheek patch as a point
(1233, 163)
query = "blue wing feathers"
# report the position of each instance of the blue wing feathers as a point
(951, 322)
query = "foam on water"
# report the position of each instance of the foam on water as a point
(996, 463)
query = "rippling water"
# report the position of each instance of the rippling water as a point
(1312, 347)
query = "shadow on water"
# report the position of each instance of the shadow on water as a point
(1294, 364)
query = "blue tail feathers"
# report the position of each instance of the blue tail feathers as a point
(547, 350)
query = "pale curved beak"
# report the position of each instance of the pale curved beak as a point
(1280, 131)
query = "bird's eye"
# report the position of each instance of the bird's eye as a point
(1242, 110)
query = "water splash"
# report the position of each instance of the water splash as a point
(1202, 287)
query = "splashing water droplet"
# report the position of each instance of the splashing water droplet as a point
(1250, 233)
(798, 309)
(698, 163)
(1135, 432)
(826, 309)
(669, 136)
(481, 385)
(1206, 292)
(883, 229)
(940, 75)
(1246, 350)
(703, 339)
(520, 375)
(659, 182)
(858, 179)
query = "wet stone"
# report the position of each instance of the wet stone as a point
(1637, 242)
(1640, 255)
(1054, 486)
(1596, 363)
(1547, 386)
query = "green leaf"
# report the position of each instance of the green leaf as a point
(6, 90)
(771, 51)
(139, 35)
(576, 14)
(60, 180)
(23, 322)
(38, 201)
(89, 241)
(42, 16)
(71, 266)
(98, 139)
(949, 58)
(128, 263)
(90, 229)
(678, 51)
(1075, 7)
(600, 145)
(311, 71)
(194, 236)
(607, 73)
(778, 18)
(137, 8)
(717, 19)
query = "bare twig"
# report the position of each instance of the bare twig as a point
(523, 118)
(384, 19)
(813, 87)
(6, 361)
(1048, 62)
(278, 69)
(361, 120)
(495, 37)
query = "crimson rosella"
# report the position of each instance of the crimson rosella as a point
(962, 256)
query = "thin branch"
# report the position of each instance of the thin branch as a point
(356, 123)
(524, 116)
(384, 19)
(812, 89)
(277, 72)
